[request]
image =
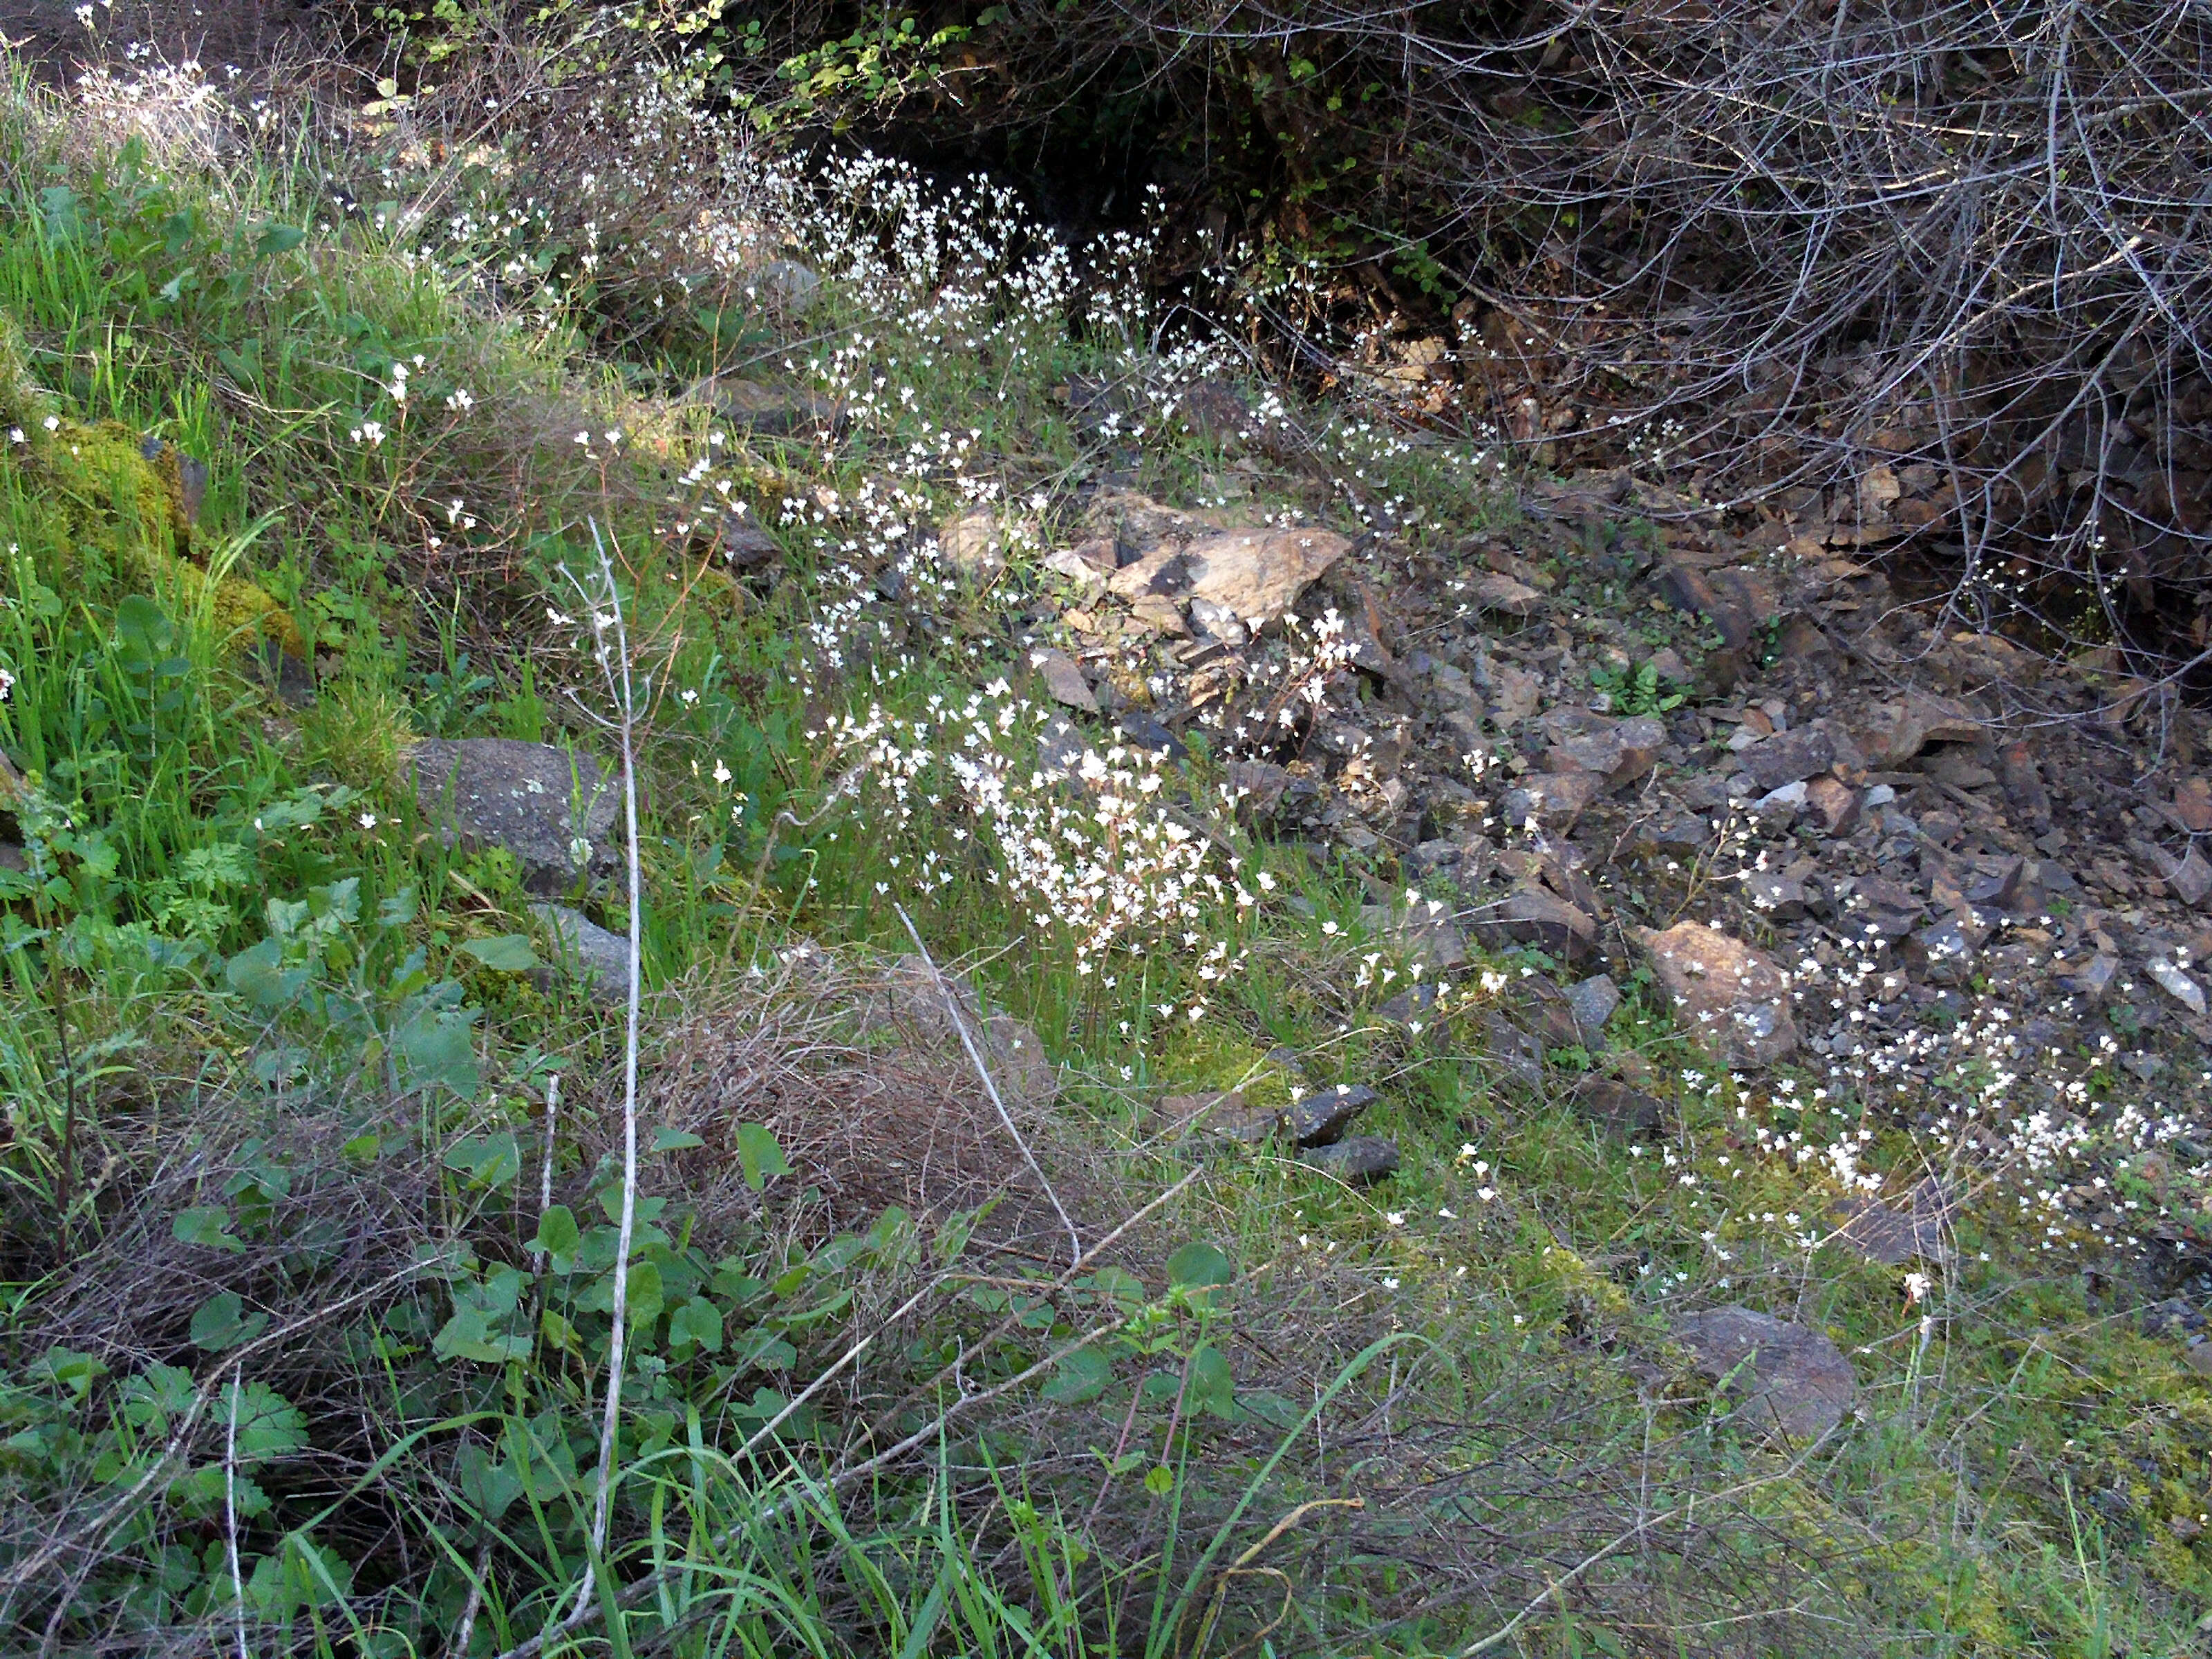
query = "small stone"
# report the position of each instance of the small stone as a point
(1357, 1158)
(1775, 894)
(1619, 1109)
(597, 959)
(2095, 980)
(1320, 1118)
(1529, 916)
(1063, 680)
(552, 810)
(1787, 757)
(973, 544)
(1224, 1112)
(1729, 993)
(1787, 1379)
(1834, 805)
(1504, 595)
(2193, 805)
(1593, 1001)
(2199, 1357)
(1520, 1053)
(2178, 985)
(1619, 752)
(1554, 799)
(1072, 563)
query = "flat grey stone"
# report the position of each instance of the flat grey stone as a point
(1592, 1001)
(1359, 1159)
(1787, 1379)
(552, 811)
(597, 959)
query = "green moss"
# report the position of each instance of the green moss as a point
(121, 516)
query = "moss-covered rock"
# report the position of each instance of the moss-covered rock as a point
(116, 506)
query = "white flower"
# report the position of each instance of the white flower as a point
(52, 422)
(721, 772)
(1396, 1218)
(368, 820)
(15, 435)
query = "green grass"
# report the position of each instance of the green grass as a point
(257, 1080)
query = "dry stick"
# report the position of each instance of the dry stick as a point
(552, 1115)
(467, 1628)
(638, 1590)
(975, 1058)
(625, 707)
(230, 1512)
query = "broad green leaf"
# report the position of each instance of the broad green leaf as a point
(208, 1225)
(1159, 1480)
(510, 953)
(1208, 1386)
(759, 1155)
(222, 1322)
(1198, 1264)
(1082, 1376)
(468, 1335)
(697, 1323)
(493, 1160)
(278, 238)
(665, 1139)
(556, 1232)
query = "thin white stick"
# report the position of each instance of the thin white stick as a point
(975, 1058)
(618, 685)
(552, 1114)
(230, 1512)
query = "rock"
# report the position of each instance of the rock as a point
(1520, 1053)
(1554, 799)
(769, 410)
(1529, 915)
(1727, 991)
(2188, 877)
(1894, 1237)
(1424, 932)
(1224, 1112)
(1786, 1379)
(1891, 733)
(1513, 691)
(1787, 757)
(2178, 985)
(973, 544)
(1685, 587)
(1593, 1001)
(1358, 1158)
(1063, 680)
(597, 959)
(1942, 953)
(2193, 805)
(1320, 1118)
(1776, 893)
(1617, 750)
(1258, 574)
(1218, 622)
(1075, 564)
(787, 286)
(1619, 1109)
(1504, 595)
(553, 811)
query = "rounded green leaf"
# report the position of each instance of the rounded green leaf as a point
(1198, 1264)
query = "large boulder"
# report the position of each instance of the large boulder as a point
(1258, 573)
(552, 809)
